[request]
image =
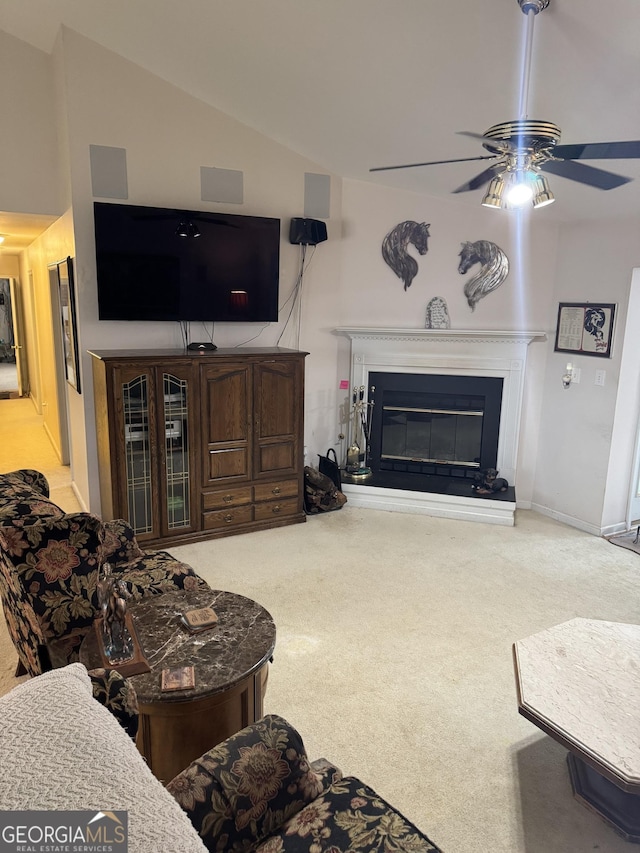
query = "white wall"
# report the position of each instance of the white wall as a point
(168, 136)
(28, 166)
(372, 295)
(595, 263)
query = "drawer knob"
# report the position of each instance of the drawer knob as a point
(276, 490)
(228, 518)
(276, 508)
(227, 499)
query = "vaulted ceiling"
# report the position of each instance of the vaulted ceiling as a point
(354, 84)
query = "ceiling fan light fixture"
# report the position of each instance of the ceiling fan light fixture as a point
(519, 191)
(542, 195)
(494, 195)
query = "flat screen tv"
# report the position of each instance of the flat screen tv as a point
(171, 264)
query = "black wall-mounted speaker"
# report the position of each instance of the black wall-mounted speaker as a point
(308, 232)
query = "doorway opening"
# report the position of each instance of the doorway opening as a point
(12, 369)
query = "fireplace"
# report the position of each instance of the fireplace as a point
(429, 432)
(446, 404)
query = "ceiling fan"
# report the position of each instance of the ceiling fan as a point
(523, 149)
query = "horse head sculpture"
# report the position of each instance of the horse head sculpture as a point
(394, 248)
(494, 269)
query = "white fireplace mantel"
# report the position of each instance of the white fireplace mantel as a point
(441, 335)
(466, 352)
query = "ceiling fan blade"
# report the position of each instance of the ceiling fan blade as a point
(584, 174)
(432, 163)
(477, 182)
(502, 145)
(599, 151)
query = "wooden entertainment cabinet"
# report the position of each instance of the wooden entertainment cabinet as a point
(197, 445)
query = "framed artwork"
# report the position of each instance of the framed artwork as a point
(68, 320)
(585, 328)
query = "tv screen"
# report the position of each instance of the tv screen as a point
(170, 264)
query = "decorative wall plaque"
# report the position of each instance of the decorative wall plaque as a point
(437, 316)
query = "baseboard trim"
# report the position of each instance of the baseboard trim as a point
(613, 529)
(567, 519)
(76, 492)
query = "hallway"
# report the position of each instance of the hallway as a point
(24, 444)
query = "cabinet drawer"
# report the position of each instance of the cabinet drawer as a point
(276, 509)
(276, 490)
(226, 498)
(227, 517)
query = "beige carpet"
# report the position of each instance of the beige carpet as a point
(393, 659)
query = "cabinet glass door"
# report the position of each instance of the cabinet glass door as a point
(137, 443)
(176, 441)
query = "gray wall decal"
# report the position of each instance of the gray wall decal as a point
(494, 269)
(394, 248)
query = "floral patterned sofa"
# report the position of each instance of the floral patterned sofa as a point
(49, 565)
(258, 791)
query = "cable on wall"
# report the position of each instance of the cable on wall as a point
(295, 297)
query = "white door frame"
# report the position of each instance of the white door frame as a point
(633, 322)
(61, 375)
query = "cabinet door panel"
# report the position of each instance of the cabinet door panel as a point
(232, 462)
(276, 457)
(278, 412)
(226, 421)
(176, 422)
(135, 416)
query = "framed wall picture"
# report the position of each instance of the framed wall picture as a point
(69, 322)
(585, 328)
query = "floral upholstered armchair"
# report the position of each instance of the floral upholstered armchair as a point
(258, 791)
(49, 566)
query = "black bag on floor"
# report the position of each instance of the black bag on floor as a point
(330, 467)
(320, 492)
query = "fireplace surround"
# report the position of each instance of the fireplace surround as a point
(459, 377)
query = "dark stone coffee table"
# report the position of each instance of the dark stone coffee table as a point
(231, 662)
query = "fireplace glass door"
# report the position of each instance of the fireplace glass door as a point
(432, 425)
(432, 435)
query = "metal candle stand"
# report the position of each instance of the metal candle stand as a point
(356, 468)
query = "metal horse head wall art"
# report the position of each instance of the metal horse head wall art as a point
(492, 273)
(394, 248)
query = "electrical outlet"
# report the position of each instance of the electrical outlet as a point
(600, 376)
(576, 376)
